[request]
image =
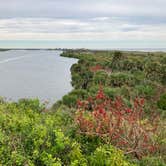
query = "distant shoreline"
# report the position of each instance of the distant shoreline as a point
(153, 50)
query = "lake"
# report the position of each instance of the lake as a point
(39, 74)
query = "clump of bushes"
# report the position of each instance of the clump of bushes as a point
(163, 70)
(146, 91)
(81, 76)
(71, 98)
(33, 104)
(100, 77)
(29, 137)
(129, 75)
(153, 71)
(119, 79)
(109, 91)
(116, 60)
(107, 155)
(32, 137)
(116, 123)
(162, 102)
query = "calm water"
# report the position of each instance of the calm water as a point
(37, 73)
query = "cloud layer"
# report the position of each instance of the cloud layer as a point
(83, 20)
(82, 8)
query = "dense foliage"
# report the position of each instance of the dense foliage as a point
(30, 135)
(131, 114)
(114, 116)
(116, 123)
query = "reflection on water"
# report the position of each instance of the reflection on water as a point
(34, 73)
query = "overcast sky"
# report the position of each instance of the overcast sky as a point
(142, 22)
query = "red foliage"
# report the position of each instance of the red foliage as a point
(116, 123)
(96, 68)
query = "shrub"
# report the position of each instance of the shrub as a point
(80, 93)
(116, 61)
(81, 80)
(163, 60)
(145, 90)
(153, 71)
(76, 78)
(76, 68)
(126, 92)
(163, 70)
(111, 92)
(29, 137)
(115, 122)
(93, 89)
(120, 79)
(162, 102)
(107, 155)
(100, 77)
(69, 100)
(76, 156)
(131, 65)
(33, 104)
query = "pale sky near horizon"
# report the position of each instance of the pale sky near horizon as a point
(85, 23)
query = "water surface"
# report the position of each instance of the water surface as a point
(39, 74)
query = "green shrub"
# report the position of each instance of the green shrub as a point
(33, 104)
(111, 92)
(131, 65)
(76, 68)
(76, 156)
(108, 156)
(126, 92)
(88, 143)
(93, 89)
(116, 61)
(120, 79)
(162, 102)
(139, 77)
(29, 137)
(145, 90)
(163, 71)
(163, 60)
(100, 77)
(81, 79)
(70, 100)
(153, 71)
(80, 93)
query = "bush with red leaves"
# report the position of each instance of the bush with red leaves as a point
(95, 68)
(116, 123)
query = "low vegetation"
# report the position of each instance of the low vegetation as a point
(115, 116)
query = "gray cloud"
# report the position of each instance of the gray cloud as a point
(82, 8)
(94, 28)
(83, 19)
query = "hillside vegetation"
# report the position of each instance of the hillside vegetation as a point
(115, 115)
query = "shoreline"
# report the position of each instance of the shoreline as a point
(67, 51)
(143, 50)
(27, 93)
